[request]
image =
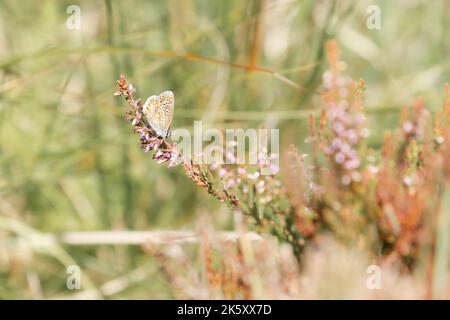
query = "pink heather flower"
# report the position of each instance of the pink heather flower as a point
(173, 162)
(262, 159)
(346, 180)
(338, 127)
(214, 166)
(347, 127)
(345, 148)
(241, 171)
(229, 184)
(353, 154)
(260, 186)
(253, 176)
(273, 168)
(407, 180)
(352, 164)
(408, 127)
(352, 136)
(348, 165)
(336, 143)
(131, 88)
(222, 172)
(339, 157)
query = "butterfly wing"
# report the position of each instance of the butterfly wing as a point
(149, 106)
(159, 112)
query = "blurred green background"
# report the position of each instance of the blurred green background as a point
(69, 161)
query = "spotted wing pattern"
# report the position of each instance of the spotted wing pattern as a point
(159, 112)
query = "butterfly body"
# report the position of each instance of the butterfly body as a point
(159, 112)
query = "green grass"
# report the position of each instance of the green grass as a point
(68, 160)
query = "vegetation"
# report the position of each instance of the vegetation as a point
(363, 166)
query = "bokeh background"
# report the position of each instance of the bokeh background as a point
(69, 161)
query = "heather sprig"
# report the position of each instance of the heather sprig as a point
(347, 123)
(163, 150)
(244, 188)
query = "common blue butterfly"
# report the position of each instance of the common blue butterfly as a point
(159, 112)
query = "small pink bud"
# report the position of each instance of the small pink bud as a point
(346, 180)
(229, 184)
(214, 166)
(339, 157)
(222, 172)
(408, 127)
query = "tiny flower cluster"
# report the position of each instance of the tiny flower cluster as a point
(347, 125)
(245, 179)
(414, 125)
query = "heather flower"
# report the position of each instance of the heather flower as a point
(241, 171)
(346, 120)
(253, 176)
(222, 172)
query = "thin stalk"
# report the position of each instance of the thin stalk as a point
(128, 208)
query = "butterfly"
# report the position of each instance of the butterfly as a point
(159, 112)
